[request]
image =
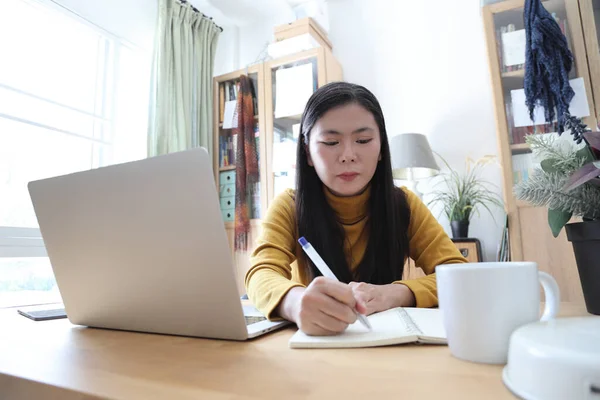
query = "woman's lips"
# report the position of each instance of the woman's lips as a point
(348, 176)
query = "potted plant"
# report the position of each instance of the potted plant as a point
(568, 184)
(461, 196)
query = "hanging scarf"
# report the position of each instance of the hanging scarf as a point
(247, 174)
(548, 62)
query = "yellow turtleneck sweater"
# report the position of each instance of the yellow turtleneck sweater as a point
(274, 270)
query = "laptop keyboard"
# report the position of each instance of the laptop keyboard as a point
(253, 320)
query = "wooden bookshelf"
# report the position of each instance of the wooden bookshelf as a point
(256, 74)
(530, 235)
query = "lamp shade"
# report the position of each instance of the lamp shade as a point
(412, 157)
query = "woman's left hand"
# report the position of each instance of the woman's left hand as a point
(382, 297)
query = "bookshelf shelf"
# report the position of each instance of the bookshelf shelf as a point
(520, 73)
(227, 168)
(520, 148)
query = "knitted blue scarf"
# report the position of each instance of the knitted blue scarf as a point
(548, 62)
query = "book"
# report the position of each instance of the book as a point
(221, 102)
(400, 325)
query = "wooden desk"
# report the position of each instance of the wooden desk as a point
(57, 360)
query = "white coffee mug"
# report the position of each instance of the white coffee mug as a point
(483, 303)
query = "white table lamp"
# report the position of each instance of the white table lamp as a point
(412, 159)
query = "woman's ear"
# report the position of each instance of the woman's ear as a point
(379, 158)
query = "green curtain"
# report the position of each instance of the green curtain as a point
(182, 101)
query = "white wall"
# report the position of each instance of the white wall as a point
(255, 37)
(228, 51)
(240, 46)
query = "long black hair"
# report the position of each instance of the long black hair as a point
(388, 210)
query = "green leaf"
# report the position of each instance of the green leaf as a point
(548, 166)
(557, 220)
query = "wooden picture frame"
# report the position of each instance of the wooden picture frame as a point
(469, 248)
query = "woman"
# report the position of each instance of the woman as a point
(347, 207)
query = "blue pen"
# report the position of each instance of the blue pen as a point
(326, 272)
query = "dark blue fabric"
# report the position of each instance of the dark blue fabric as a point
(548, 63)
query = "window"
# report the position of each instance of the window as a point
(72, 97)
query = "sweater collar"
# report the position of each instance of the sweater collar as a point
(349, 209)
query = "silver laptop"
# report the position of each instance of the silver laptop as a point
(141, 246)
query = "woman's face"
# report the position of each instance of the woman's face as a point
(344, 148)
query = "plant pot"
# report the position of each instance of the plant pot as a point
(585, 237)
(460, 229)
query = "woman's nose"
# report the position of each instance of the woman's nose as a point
(348, 154)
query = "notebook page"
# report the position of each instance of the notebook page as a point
(428, 320)
(387, 326)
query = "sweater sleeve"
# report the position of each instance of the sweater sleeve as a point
(429, 246)
(269, 277)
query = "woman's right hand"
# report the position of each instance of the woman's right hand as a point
(325, 307)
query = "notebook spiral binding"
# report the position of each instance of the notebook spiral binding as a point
(410, 325)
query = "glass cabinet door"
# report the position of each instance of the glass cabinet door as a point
(291, 85)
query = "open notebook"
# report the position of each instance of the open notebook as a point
(394, 326)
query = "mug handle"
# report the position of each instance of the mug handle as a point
(552, 294)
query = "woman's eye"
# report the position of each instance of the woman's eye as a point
(329, 143)
(363, 141)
